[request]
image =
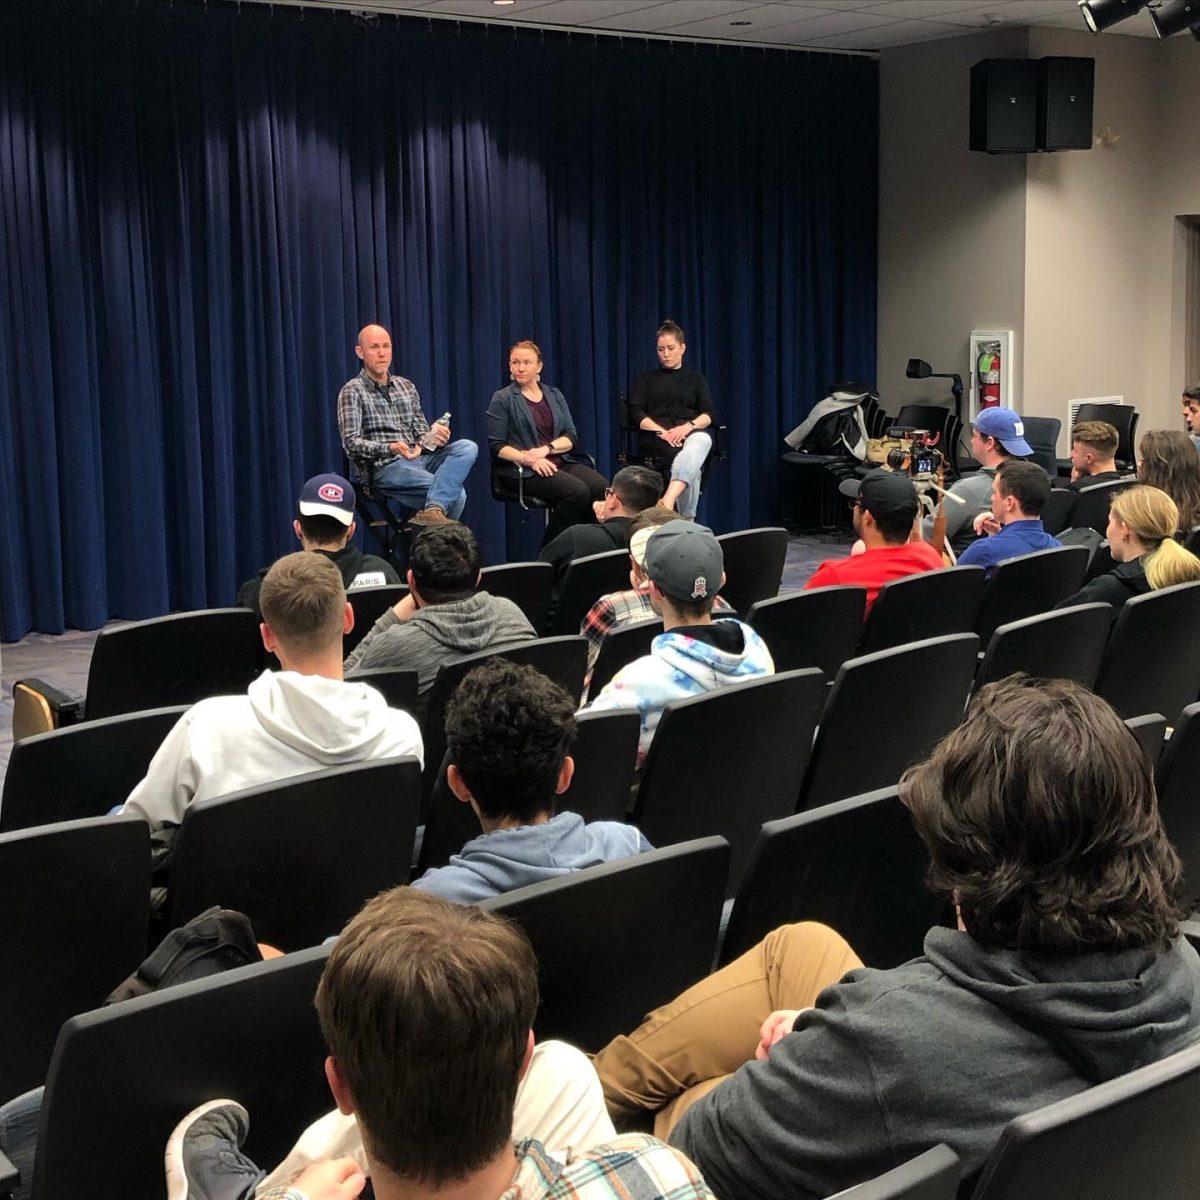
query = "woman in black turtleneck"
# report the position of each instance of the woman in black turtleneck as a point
(671, 407)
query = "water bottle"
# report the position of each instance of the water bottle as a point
(427, 442)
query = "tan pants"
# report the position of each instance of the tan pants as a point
(684, 1049)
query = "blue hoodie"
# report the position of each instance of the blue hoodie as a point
(507, 859)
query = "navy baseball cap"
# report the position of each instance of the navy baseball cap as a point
(1005, 425)
(328, 496)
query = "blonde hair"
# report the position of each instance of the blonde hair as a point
(526, 344)
(1152, 516)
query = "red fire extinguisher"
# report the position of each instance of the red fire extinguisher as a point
(988, 370)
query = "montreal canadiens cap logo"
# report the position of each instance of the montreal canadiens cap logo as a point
(331, 492)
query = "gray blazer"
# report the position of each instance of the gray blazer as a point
(509, 422)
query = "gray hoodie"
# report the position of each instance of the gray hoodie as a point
(946, 1048)
(439, 633)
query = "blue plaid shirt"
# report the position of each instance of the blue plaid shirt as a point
(373, 415)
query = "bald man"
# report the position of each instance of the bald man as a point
(385, 432)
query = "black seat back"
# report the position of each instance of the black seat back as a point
(1132, 1136)
(1065, 644)
(695, 783)
(857, 866)
(1042, 435)
(885, 712)
(1175, 778)
(1150, 729)
(298, 857)
(921, 606)
(1152, 663)
(526, 584)
(1056, 516)
(754, 561)
(174, 660)
(397, 686)
(649, 921)
(1029, 584)
(933, 1175)
(83, 770)
(1123, 418)
(585, 581)
(605, 754)
(250, 1034)
(1090, 510)
(818, 628)
(369, 604)
(620, 647)
(74, 909)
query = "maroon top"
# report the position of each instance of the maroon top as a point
(543, 422)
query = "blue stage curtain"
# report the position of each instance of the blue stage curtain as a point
(199, 207)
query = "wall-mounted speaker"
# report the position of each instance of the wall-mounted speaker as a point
(1066, 87)
(1004, 93)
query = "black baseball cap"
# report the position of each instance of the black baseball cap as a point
(884, 494)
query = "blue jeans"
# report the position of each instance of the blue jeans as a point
(686, 467)
(18, 1136)
(431, 481)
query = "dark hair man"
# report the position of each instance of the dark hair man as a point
(1191, 410)
(885, 510)
(509, 731)
(1014, 526)
(1093, 454)
(300, 719)
(1067, 969)
(443, 616)
(324, 525)
(427, 1009)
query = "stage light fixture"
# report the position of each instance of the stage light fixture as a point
(1174, 16)
(1099, 15)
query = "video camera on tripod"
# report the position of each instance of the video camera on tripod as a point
(917, 456)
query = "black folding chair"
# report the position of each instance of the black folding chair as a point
(885, 712)
(605, 754)
(630, 450)
(1150, 729)
(527, 584)
(1090, 510)
(585, 581)
(927, 605)
(817, 628)
(301, 856)
(1152, 663)
(82, 771)
(1065, 644)
(930, 1176)
(649, 922)
(1042, 435)
(1132, 1136)
(249, 1034)
(397, 686)
(173, 660)
(1175, 779)
(694, 783)
(369, 605)
(1056, 516)
(754, 561)
(857, 866)
(623, 645)
(74, 909)
(1029, 584)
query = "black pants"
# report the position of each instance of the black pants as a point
(570, 492)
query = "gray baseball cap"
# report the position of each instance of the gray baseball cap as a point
(685, 561)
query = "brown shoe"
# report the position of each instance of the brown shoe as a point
(428, 516)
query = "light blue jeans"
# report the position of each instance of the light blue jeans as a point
(18, 1136)
(433, 480)
(686, 467)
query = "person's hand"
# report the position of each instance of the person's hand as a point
(543, 466)
(676, 435)
(778, 1025)
(439, 435)
(336, 1179)
(405, 450)
(986, 524)
(598, 509)
(405, 608)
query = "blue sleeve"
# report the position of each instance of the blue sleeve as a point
(976, 555)
(568, 429)
(498, 430)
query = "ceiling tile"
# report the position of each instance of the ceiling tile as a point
(882, 37)
(574, 12)
(760, 16)
(927, 10)
(827, 25)
(661, 18)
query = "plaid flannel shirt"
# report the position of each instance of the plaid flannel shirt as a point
(371, 416)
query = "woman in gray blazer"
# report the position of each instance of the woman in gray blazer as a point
(530, 427)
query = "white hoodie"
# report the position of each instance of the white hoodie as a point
(286, 724)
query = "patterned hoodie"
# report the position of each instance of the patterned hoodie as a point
(681, 664)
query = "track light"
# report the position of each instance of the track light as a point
(1174, 16)
(1100, 15)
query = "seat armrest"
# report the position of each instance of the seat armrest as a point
(39, 707)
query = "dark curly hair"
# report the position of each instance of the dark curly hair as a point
(508, 729)
(1041, 822)
(444, 561)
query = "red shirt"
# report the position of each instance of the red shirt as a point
(873, 568)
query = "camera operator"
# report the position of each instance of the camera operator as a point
(998, 435)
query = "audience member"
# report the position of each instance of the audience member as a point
(694, 654)
(997, 436)
(885, 510)
(618, 609)
(300, 719)
(632, 490)
(1067, 969)
(443, 616)
(1168, 460)
(325, 526)
(1093, 455)
(1141, 538)
(1191, 411)
(509, 731)
(388, 439)
(1014, 526)
(427, 1009)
